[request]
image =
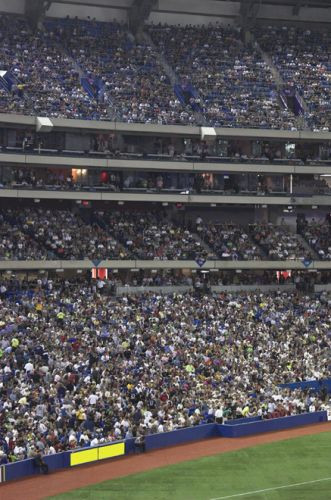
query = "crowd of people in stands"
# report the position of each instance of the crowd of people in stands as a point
(208, 183)
(79, 368)
(229, 241)
(198, 279)
(227, 80)
(278, 242)
(153, 236)
(16, 244)
(39, 234)
(87, 69)
(129, 80)
(40, 78)
(310, 186)
(205, 280)
(63, 234)
(318, 235)
(302, 57)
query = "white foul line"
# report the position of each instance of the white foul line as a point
(272, 489)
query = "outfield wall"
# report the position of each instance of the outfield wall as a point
(272, 425)
(231, 429)
(313, 385)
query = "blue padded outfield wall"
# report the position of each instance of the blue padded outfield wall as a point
(181, 436)
(274, 424)
(23, 468)
(314, 385)
(232, 429)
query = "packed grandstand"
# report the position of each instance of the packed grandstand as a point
(165, 225)
(73, 68)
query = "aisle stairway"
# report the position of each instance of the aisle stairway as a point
(306, 245)
(144, 37)
(204, 246)
(300, 120)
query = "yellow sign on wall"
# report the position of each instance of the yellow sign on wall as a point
(86, 456)
(113, 450)
(83, 457)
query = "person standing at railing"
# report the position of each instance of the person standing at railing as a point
(39, 462)
(140, 444)
(219, 415)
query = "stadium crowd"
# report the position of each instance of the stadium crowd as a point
(40, 78)
(278, 242)
(152, 236)
(45, 233)
(87, 69)
(79, 368)
(227, 80)
(15, 244)
(129, 80)
(318, 235)
(61, 234)
(64, 234)
(302, 56)
(229, 241)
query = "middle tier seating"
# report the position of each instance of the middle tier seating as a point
(43, 233)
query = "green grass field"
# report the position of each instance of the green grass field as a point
(231, 475)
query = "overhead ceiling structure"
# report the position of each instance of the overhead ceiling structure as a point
(139, 13)
(126, 5)
(292, 3)
(136, 12)
(35, 10)
(248, 12)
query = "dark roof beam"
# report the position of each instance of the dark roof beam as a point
(35, 10)
(248, 12)
(139, 12)
(296, 8)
